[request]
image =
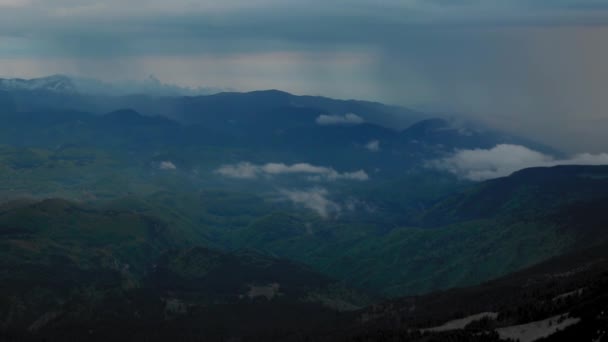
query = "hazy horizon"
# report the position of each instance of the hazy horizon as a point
(530, 67)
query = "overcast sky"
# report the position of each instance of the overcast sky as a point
(536, 67)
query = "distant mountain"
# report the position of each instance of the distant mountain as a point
(151, 86)
(185, 105)
(67, 85)
(233, 106)
(284, 134)
(270, 117)
(55, 84)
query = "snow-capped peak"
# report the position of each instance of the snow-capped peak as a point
(55, 83)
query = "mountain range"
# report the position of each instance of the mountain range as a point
(268, 216)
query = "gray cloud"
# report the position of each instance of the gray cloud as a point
(503, 160)
(246, 170)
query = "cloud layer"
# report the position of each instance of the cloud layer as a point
(503, 160)
(246, 170)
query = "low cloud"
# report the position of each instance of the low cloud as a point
(373, 146)
(314, 199)
(503, 160)
(317, 200)
(167, 165)
(246, 170)
(346, 119)
(242, 170)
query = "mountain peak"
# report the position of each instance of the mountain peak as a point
(271, 92)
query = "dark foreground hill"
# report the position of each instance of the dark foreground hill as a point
(69, 272)
(194, 294)
(562, 299)
(72, 270)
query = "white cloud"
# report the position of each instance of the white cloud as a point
(346, 119)
(314, 199)
(167, 165)
(503, 160)
(280, 168)
(243, 170)
(246, 170)
(373, 146)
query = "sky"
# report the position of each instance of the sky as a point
(532, 67)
